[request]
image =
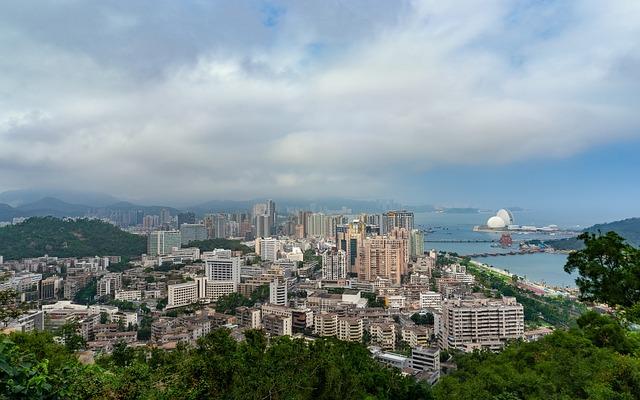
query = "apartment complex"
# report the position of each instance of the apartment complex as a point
(484, 323)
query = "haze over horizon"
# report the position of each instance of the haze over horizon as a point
(486, 104)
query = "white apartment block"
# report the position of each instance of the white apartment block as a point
(272, 309)
(431, 300)
(479, 323)
(221, 268)
(128, 295)
(278, 293)
(425, 359)
(396, 301)
(182, 294)
(216, 289)
(269, 248)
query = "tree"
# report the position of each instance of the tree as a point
(104, 317)
(10, 306)
(227, 304)
(69, 333)
(609, 269)
(422, 319)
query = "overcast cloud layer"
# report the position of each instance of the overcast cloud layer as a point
(199, 100)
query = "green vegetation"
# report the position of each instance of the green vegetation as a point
(609, 270)
(212, 244)
(373, 300)
(227, 304)
(38, 236)
(33, 366)
(87, 295)
(422, 319)
(563, 365)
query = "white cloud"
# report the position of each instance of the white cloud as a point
(312, 107)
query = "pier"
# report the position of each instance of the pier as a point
(510, 253)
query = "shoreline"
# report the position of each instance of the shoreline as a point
(537, 287)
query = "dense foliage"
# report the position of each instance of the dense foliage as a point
(609, 269)
(212, 244)
(66, 238)
(228, 303)
(32, 366)
(564, 365)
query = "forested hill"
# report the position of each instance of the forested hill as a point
(627, 228)
(66, 238)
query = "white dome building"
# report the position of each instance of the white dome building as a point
(506, 216)
(496, 222)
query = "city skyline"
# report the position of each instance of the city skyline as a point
(464, 104)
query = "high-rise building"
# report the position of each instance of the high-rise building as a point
(165, 216)
(192, 232)
(221, 267)
(278, 293)
(186, 218)
(265, 218)
(321, 225)
(162, 242)
(473, 324)
(334, 265)
(382, 257)
(268, 248)
(397, 219)
(348, 238)
(417, 243)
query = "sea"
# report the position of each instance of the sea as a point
(545, 268)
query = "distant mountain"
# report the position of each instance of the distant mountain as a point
(17, 198)
(64, 238)
(460, 210)
(50, 206)
(7, 213)
(627, 228)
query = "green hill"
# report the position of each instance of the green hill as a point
(627, 228)
(67, 238)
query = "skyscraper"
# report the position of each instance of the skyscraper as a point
(186, 218)
(161, 242)
(334, 265)
(382, 257)
(348, 238)
(397, 219)
(417, 243)
(192, 232)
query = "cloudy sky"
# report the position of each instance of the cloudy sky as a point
(482, 103)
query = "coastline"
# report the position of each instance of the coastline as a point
(536, 287)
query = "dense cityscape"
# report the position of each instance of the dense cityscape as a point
(319, 200)
(363, 278)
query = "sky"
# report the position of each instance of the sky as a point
(464, 103)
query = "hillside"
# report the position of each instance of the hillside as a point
(63, 238)
(627, 228)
